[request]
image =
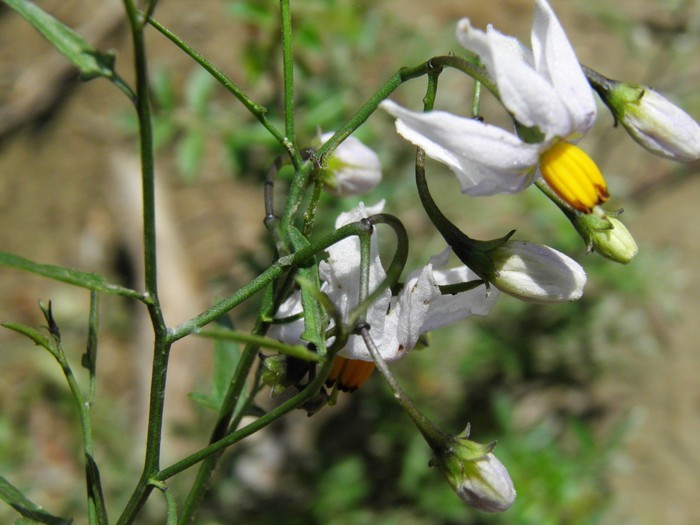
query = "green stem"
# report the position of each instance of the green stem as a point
(264, 279)
(221, 429)
(96, 510)
(297, 351)
(227, 421)
(161, 344)
(288, 75)
(438, 440)
(447, 229)
(299, 399)
(394, 270)
(469, 66)
(257, 110)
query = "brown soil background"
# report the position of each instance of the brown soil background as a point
(57, 193)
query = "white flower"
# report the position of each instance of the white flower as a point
(536, 273)
(544, 87)
(396, 323)
(354, 169)
(341, 273)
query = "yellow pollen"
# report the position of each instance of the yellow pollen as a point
(573, 175)
(349, 374)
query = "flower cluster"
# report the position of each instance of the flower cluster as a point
(550, 98)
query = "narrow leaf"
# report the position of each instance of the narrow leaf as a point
(91, 281)
(91, 62)
(314, 315)
(13, 497)
(31, 333)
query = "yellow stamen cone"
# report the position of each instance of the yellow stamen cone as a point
(573, 176)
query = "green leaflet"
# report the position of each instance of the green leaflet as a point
(91, 62)
(92, 281)
(13, 497)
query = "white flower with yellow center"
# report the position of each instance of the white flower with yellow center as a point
(543, 88)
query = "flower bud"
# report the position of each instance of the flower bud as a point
(476, 475)
(353, 169)
(536, 273)
(612, 240)
(653, 121)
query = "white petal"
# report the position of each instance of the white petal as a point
(486, 159)
(449, 309)
(289, 333)
(354, 169)
(405, 322)
(530, 97)
(556, 60)
(341, 271)
(536, 273)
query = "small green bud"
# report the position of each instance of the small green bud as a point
(476, 475)
(611, 239)
(274, 373)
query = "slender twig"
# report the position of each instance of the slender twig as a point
(466, 65)
(257, 110)
(288, 75)
(299, 399)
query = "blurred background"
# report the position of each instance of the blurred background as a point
(595, 405)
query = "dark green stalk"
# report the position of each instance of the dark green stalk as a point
(206, 469)
(297, 351)
(451, 233)
(161, 345)
(299, 399)
(265, 278)
(96, 510)
(288, 75)
(258, 111)
(438, 440)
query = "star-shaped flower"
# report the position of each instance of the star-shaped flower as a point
(544, 88)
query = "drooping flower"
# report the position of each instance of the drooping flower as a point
(353, 169)
(545, 89)
(396, 322)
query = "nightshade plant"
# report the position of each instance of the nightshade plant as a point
(332, 310)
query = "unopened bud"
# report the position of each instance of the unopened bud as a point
(652, 120)
(354, 169)
(476, 475)
(536, 273)
(612, 240)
